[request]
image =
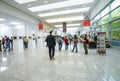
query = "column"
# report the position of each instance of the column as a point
(18, 33)
(64, 27)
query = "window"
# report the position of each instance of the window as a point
(115, 30)
(97, 17)
(104, 28)
(115, 35)
(116, 13)
(105, 19)
(105, 11)
(102, 23)
(115, 25)
(115, 4)
(97, 29)
(97, 23)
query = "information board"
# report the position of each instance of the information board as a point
(101, 47)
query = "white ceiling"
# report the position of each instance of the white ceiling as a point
(8, 19)
(24, 7)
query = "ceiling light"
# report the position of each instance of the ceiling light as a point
(15, 23)
(64, 12)
(65, 19)
(29, 4)
(2, 25)
(45, 1)
(24, 1)
(68, 25)
(59, 5)
(1, 19)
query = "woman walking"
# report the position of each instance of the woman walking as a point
(75, 40)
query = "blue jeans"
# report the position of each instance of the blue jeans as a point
(51, 51)
(75, 47)
(26, 44)
(66, 47)
(60, 47)
(7, 46)
(3, 44)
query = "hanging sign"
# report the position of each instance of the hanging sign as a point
(40, 26)
(86, 23)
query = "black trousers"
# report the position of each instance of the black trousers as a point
(51, 51)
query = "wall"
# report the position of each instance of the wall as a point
(10, 10)
(13, 11)
(101, 4)
(5, 31)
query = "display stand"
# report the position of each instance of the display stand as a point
(101, 46)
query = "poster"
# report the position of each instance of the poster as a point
(101, 46)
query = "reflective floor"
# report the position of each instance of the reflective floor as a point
(34, 65)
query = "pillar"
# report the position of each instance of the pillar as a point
(64, 26)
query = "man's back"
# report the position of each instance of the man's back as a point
(50, 40)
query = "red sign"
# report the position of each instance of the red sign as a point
(86, 22)
(40, 26)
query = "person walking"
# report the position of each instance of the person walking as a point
(25, 40)
(51, 45)
(7, 43)
(70, 38)
(0, 46)
(66, 42)
(11, 43)
(75, 40)
(3, 43)
(59, 41)
(95, 40)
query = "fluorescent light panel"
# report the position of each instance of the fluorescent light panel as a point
(59, 5)
(64, 12)
(24, 1)
(77, 24)
(65, 19)
(1, 19)
(3, 68)
(45, 1)
(14, 23)
(2, 25)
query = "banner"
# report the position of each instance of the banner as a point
(86, 23)
(40, 26)
(101, 46)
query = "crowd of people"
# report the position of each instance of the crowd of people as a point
(67, 40)
(7, 43)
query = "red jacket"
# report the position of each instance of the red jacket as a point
(66, 40)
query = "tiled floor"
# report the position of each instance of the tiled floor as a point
(34, 65)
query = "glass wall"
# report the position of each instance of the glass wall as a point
(104, 19)
(108, 20)
(115, 14)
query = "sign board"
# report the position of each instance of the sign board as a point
(86, 23)
(40, 26)
(101, 46)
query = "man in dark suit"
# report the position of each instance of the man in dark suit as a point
(51, 45)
